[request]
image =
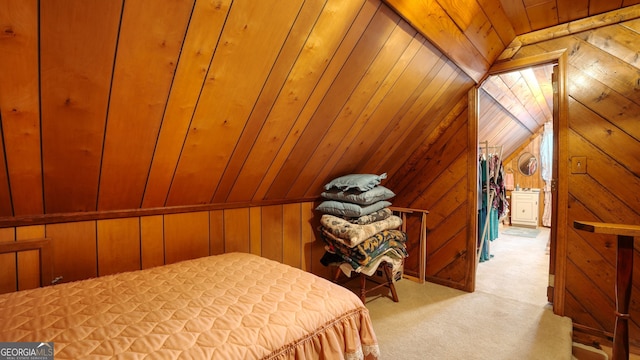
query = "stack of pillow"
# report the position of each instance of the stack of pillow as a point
(359, 229)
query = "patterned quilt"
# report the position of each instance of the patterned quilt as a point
(231, 306)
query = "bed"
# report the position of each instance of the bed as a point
(230, 306)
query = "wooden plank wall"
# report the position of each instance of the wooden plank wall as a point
(471, 33)
(440, 185)
(604, 107)
(122, 105)
(285, 233)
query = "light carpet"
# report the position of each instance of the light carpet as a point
(507, 317)
(436, 322)
(521, 231)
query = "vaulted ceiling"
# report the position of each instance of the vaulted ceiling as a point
(108, 105)
(531, 15)
(514, 106)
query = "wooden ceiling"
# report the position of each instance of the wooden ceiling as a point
(514, 106)
(531, 15)
(111, 105)
(108, 105)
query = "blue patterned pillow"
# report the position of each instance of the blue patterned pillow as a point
(362, 182)
(359, 197)
(338, 208)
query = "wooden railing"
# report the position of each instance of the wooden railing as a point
(624, 278)
(44, 251)
(402, 213)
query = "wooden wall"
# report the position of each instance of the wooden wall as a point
(604, 107)
(440, 183)
(112, 105)
(84, 249)
(535, 181)
(510, 163)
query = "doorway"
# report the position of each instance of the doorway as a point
(515, 107)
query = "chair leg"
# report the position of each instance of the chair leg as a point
(392, 286)
(363, 290)
(337, 275)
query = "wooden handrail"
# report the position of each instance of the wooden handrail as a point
(422, 269)
(44, 248)
(624, 278)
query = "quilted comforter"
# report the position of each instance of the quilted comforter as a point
(231, 306)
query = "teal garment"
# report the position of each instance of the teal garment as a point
(546, 151)
(493, 224)
(484, 252)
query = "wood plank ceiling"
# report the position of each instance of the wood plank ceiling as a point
(531, 15)
(109, 104)
(513, 106)
(113, 105)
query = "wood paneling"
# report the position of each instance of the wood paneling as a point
(74, 250)
(244, 106)
(514, 107)
(217, 232)
(151, 241)
(365, 108)
(291, 229)
(149, 44)
(360, 60)
(77, 50)
(199, 45)
(236, 230)
(20, 114)
(440, 185)
(602, 126)
(215, 129)
(461, 30)
(113, 236)
(531, 15)
(186, 236)
(255, 235)
(199, 102)
(8, 264)
(272, 229)
(97, 248)
(29, 261)
(311, 66)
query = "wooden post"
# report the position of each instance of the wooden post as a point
(624, 278)
(624, 281)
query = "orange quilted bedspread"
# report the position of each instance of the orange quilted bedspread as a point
(231, 306)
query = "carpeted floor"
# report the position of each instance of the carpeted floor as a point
(521, 231)
(436, 322)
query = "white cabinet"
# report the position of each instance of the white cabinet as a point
(524, 208)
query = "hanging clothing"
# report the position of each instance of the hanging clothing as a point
(509, 182)
(494, 204)
(546, 161)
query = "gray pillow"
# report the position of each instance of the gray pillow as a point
(339, 208)
(362, 182)
(359, 197)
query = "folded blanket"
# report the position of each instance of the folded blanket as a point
(391, 256)
(373, 217)
(353, 234)
(363, 253)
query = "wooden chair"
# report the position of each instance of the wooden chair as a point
(388, 282)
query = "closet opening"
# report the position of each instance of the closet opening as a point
(517, 114)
